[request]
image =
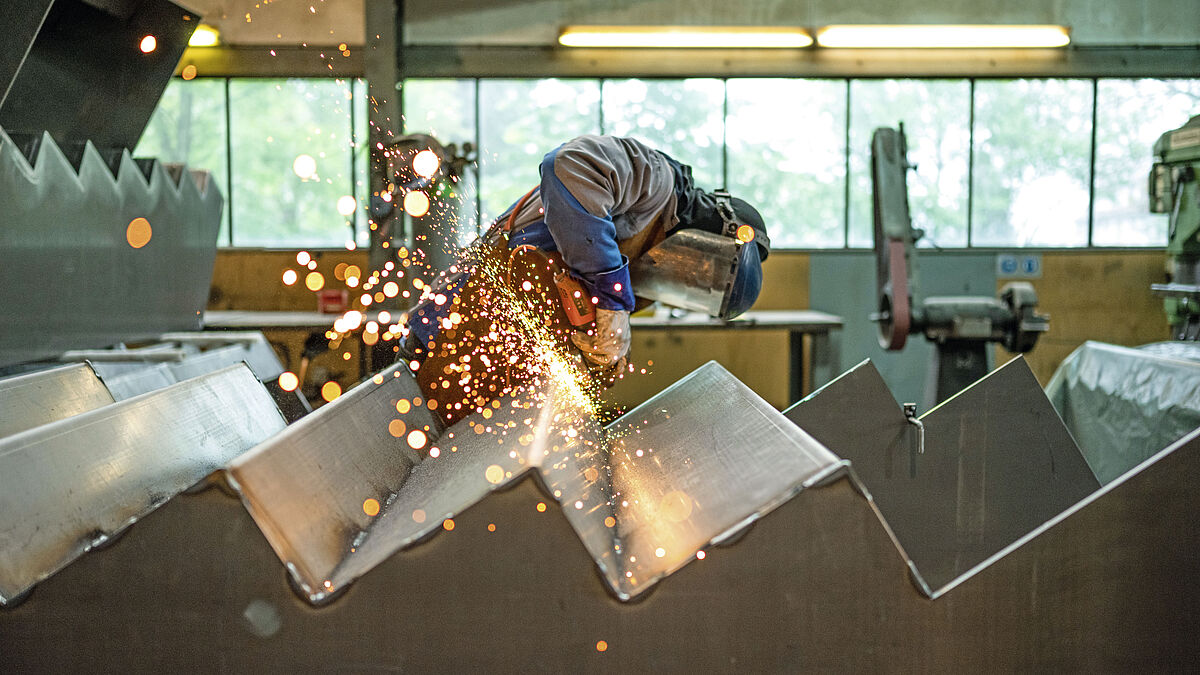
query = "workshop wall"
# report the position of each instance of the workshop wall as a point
(1096, 295)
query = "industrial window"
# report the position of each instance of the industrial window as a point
(519, 122)
(189, 127)
(937, 119)
(680, 117)
(1037, 162)
(1032, 143)
(788, 157)
(1130, 116)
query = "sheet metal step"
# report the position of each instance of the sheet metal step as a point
(37, 398)
(703, 458)
(69, 229)
(815, 585)
(68, 486)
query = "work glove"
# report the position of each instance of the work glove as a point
(605, 345)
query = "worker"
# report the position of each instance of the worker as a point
(602, 201)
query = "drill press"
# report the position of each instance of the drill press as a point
(1174, 190)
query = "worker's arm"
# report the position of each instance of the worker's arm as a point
(585, 184)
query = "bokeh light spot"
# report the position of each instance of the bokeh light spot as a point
(416, 203)
(416, 439)
(189, 72)
(331, 390)
(403, 406)
(426, 163)
(745, 233)
(601, 646)
(494, 474)
(315, 281)
(371, 507)
(397, 428)
(148, 44)
(448, 524)
(138, 232)
(288, 381)
(304, 166)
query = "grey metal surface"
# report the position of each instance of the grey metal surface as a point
(306, 487)
(69, 485)
(140, 380)
(259, 354)
(22, 21)
(691, 269)
(77, 281)
(814, 586)
(27, 401)
(704, 457)
(91, 57)
(690, 466)
(997, 464)
(1122, 405)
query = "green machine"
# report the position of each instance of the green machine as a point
(1174, 190)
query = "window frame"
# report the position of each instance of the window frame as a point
(358, 89)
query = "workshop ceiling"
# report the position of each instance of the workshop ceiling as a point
(537, 22)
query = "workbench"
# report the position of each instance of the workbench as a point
(806, 329)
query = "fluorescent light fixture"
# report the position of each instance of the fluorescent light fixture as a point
(727, 37)
(205, 36)
(907, 37)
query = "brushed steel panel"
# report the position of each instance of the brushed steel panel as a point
(306, 487)
(30, 400)
(69, 485)
(815, 586)
(259, 354)
(701, 459)
(135, 382)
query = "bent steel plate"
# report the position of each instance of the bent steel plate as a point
(135, 382)
(34, 399)
(1109, 586)
(259, 354)
(68, 485)
(703, 458)
(997, 463)
(308, 487)
(689, 467)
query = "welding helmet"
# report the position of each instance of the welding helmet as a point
(711, 263)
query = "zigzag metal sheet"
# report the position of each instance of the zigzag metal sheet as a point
(704, 457)
(34, 399)
(997, 464)
(64, 245)
(68, 485)
(816, 585)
